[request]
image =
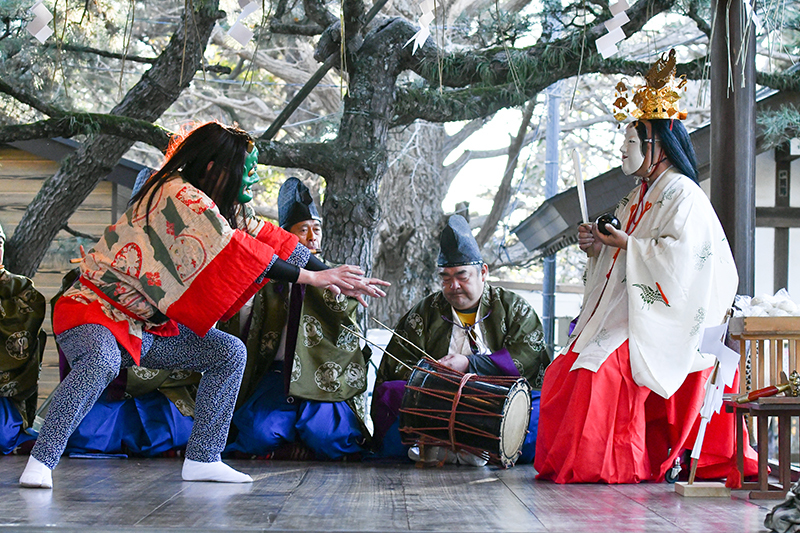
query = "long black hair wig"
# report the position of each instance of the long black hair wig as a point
(675, 141)
(211, 158)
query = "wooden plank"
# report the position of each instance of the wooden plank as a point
(759, 326)
(22, 198)
(720, 515)
(779, 217)
(778, 400)
(134, 495)
(10, 153)
(702, 489)
(743, 357)
(97, 214)
(785, 451)
(27, 169)
(774, 363)
(435, 496)
(585, 507)
(233, 506)
(361, 491)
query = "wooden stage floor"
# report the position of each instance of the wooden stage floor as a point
(127, 495)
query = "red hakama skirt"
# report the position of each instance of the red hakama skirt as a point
(603, 427)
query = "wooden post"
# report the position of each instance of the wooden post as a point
(733, 134)
(783, 180)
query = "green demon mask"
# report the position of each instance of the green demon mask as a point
(250, 176)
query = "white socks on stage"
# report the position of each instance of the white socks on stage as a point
(216, 471)
(36, 475)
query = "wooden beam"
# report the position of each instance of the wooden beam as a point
(783, 169)
(778, 217)
(733, 134)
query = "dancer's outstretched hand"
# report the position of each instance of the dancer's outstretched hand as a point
(346, 279)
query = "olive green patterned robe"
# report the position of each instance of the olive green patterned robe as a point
(22, 342)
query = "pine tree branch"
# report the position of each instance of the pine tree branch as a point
(320, 158)
(295, 29)
(694, 13)
(315, 10)
(503, 195)
(79, 172)
(453, 141)
(72, 124)
(219, 69)
(29, 99)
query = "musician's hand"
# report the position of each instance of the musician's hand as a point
(456, 361)
(618, 239)
(587, 240)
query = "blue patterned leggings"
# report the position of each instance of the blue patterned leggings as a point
(96, 359)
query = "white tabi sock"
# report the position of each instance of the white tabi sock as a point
(216, 471)
(466, 458)
(36, 475)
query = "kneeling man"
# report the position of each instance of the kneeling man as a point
(469, 326)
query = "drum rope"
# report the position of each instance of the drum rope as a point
(451, 425)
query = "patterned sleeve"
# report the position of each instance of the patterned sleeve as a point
(283, 242)
(248, 221)
(300, 256)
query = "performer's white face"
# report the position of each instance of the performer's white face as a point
(462, 286)
(632, 158)
(310, 234)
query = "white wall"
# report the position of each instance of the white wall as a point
(765, 237)
(764, 261)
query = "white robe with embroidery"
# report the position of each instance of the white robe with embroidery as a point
(676, 277)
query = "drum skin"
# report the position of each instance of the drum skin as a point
(491, 415)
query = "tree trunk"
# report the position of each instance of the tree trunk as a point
(407, 240)
(80, 172)
(351, 210)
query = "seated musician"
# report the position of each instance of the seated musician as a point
(303, 391)
(22, 343)
(469, 326)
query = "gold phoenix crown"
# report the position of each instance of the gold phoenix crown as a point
(657, 98)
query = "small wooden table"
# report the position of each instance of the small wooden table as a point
(784, 408)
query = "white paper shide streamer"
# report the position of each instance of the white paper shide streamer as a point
(425, 20)
(724, 373)
(576, 165)
(239, 32)
(607, 44)
(751, 14)
(38, 27)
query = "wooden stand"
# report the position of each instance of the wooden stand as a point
(702, 489)
(774, 347)
(779, 406)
